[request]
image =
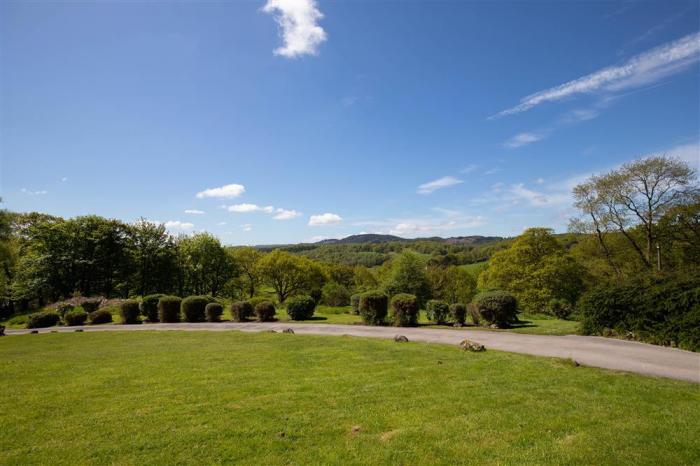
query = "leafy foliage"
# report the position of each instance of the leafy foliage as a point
(193, 308)
(101, 316)
(335, 294)
(408, 275)
(301, 307)
(75, 317)
(169, 309)
(404, 310)
(241, 311)
(289, 274)
(437, 311)
(213, 312)
(149, 307)
(355, 303)
(43, 319)
(129, 312)
(265, 311)
(458, 313)
(495, 307)
(373, 307)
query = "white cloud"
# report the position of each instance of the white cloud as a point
(299, 28)
(645, 68)
(493, 171)
(33, 193)
(245, 208)
(444, 182)
(539, 181)
(423, 227)
(469, 168)
(221, 224)
(284, 214)
(689, 153)
(324, 219)
(523, 139)
(224, 192)
(247, 227)
(194, 212)
(178, 225)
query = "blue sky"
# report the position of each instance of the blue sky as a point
(287, 120)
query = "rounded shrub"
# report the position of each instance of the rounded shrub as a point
(559, 308)
(437, 311)
(404, 310)
(193, 308)
(335, 294)
(43, 319)
(496, 307)
(91, 305)
(129, 312)
(101, 316)
(75, 317)
(149, 307)
(169, 309)
(213, 311)
(301, 307)
(241, 311)
(458, 313)
(63, 308)
(373, 307)
(355, 303)
(265, 311)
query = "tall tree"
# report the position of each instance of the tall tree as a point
(247, 259)
(154, 257)
(289, 274)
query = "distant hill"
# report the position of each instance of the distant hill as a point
(376, 238)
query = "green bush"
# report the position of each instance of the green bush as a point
(254, 301)
(169, 309)
(301, 307)
(660, 310)
(458, 313)
(335, 294)
(213, 311)
(437, 311)
(101, 316)
(355, 303)
(129, 312)
(373, 307)
(559, 308)
(43, 319)
(75, 317)
(193, 308)
(149, 307)
(241, 311)
(63, 308)
(265, 311)
(404, 310)
(495, 307)
(91, 305)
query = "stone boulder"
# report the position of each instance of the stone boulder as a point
(468, 345)
(400, 338)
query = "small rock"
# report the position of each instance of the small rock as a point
(34, 331)
(400, 338)
(280, 434)
(78, 329)
(494, 326)
(288, 330)
(355, 429)
(468, 345)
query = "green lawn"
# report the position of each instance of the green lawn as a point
(212, 398)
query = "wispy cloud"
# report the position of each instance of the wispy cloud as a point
(178, 225)
(645, 68)
(432, 186)
(228, 191)
(324, 219)
(493, 171)
(247, 227)
(469, 168)
(284, 214)
(194, 212)
(299, 28)
(523, 139)
(33, 193)
(276, 212)
(652, 31)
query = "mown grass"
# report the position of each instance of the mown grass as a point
(212, 398)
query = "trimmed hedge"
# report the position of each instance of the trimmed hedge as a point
(169, 309)
(355, 303)
(129, 312)
(301, 307)
(373, 307)
(43, 319)
(404, 310)
(91, 305)
(213, 311)
(335, 294)
(241, 311)
(193, 308)
(101, 316)
(495, 307)
(75, 317)
(662, 310)
(149, 307)
(265, 311)
(437, 311)
(458, 313)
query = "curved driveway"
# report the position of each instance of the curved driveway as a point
(590, 351)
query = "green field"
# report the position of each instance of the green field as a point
(211, 398)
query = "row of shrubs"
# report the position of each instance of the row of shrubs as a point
(497, 308)
(170, 309)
